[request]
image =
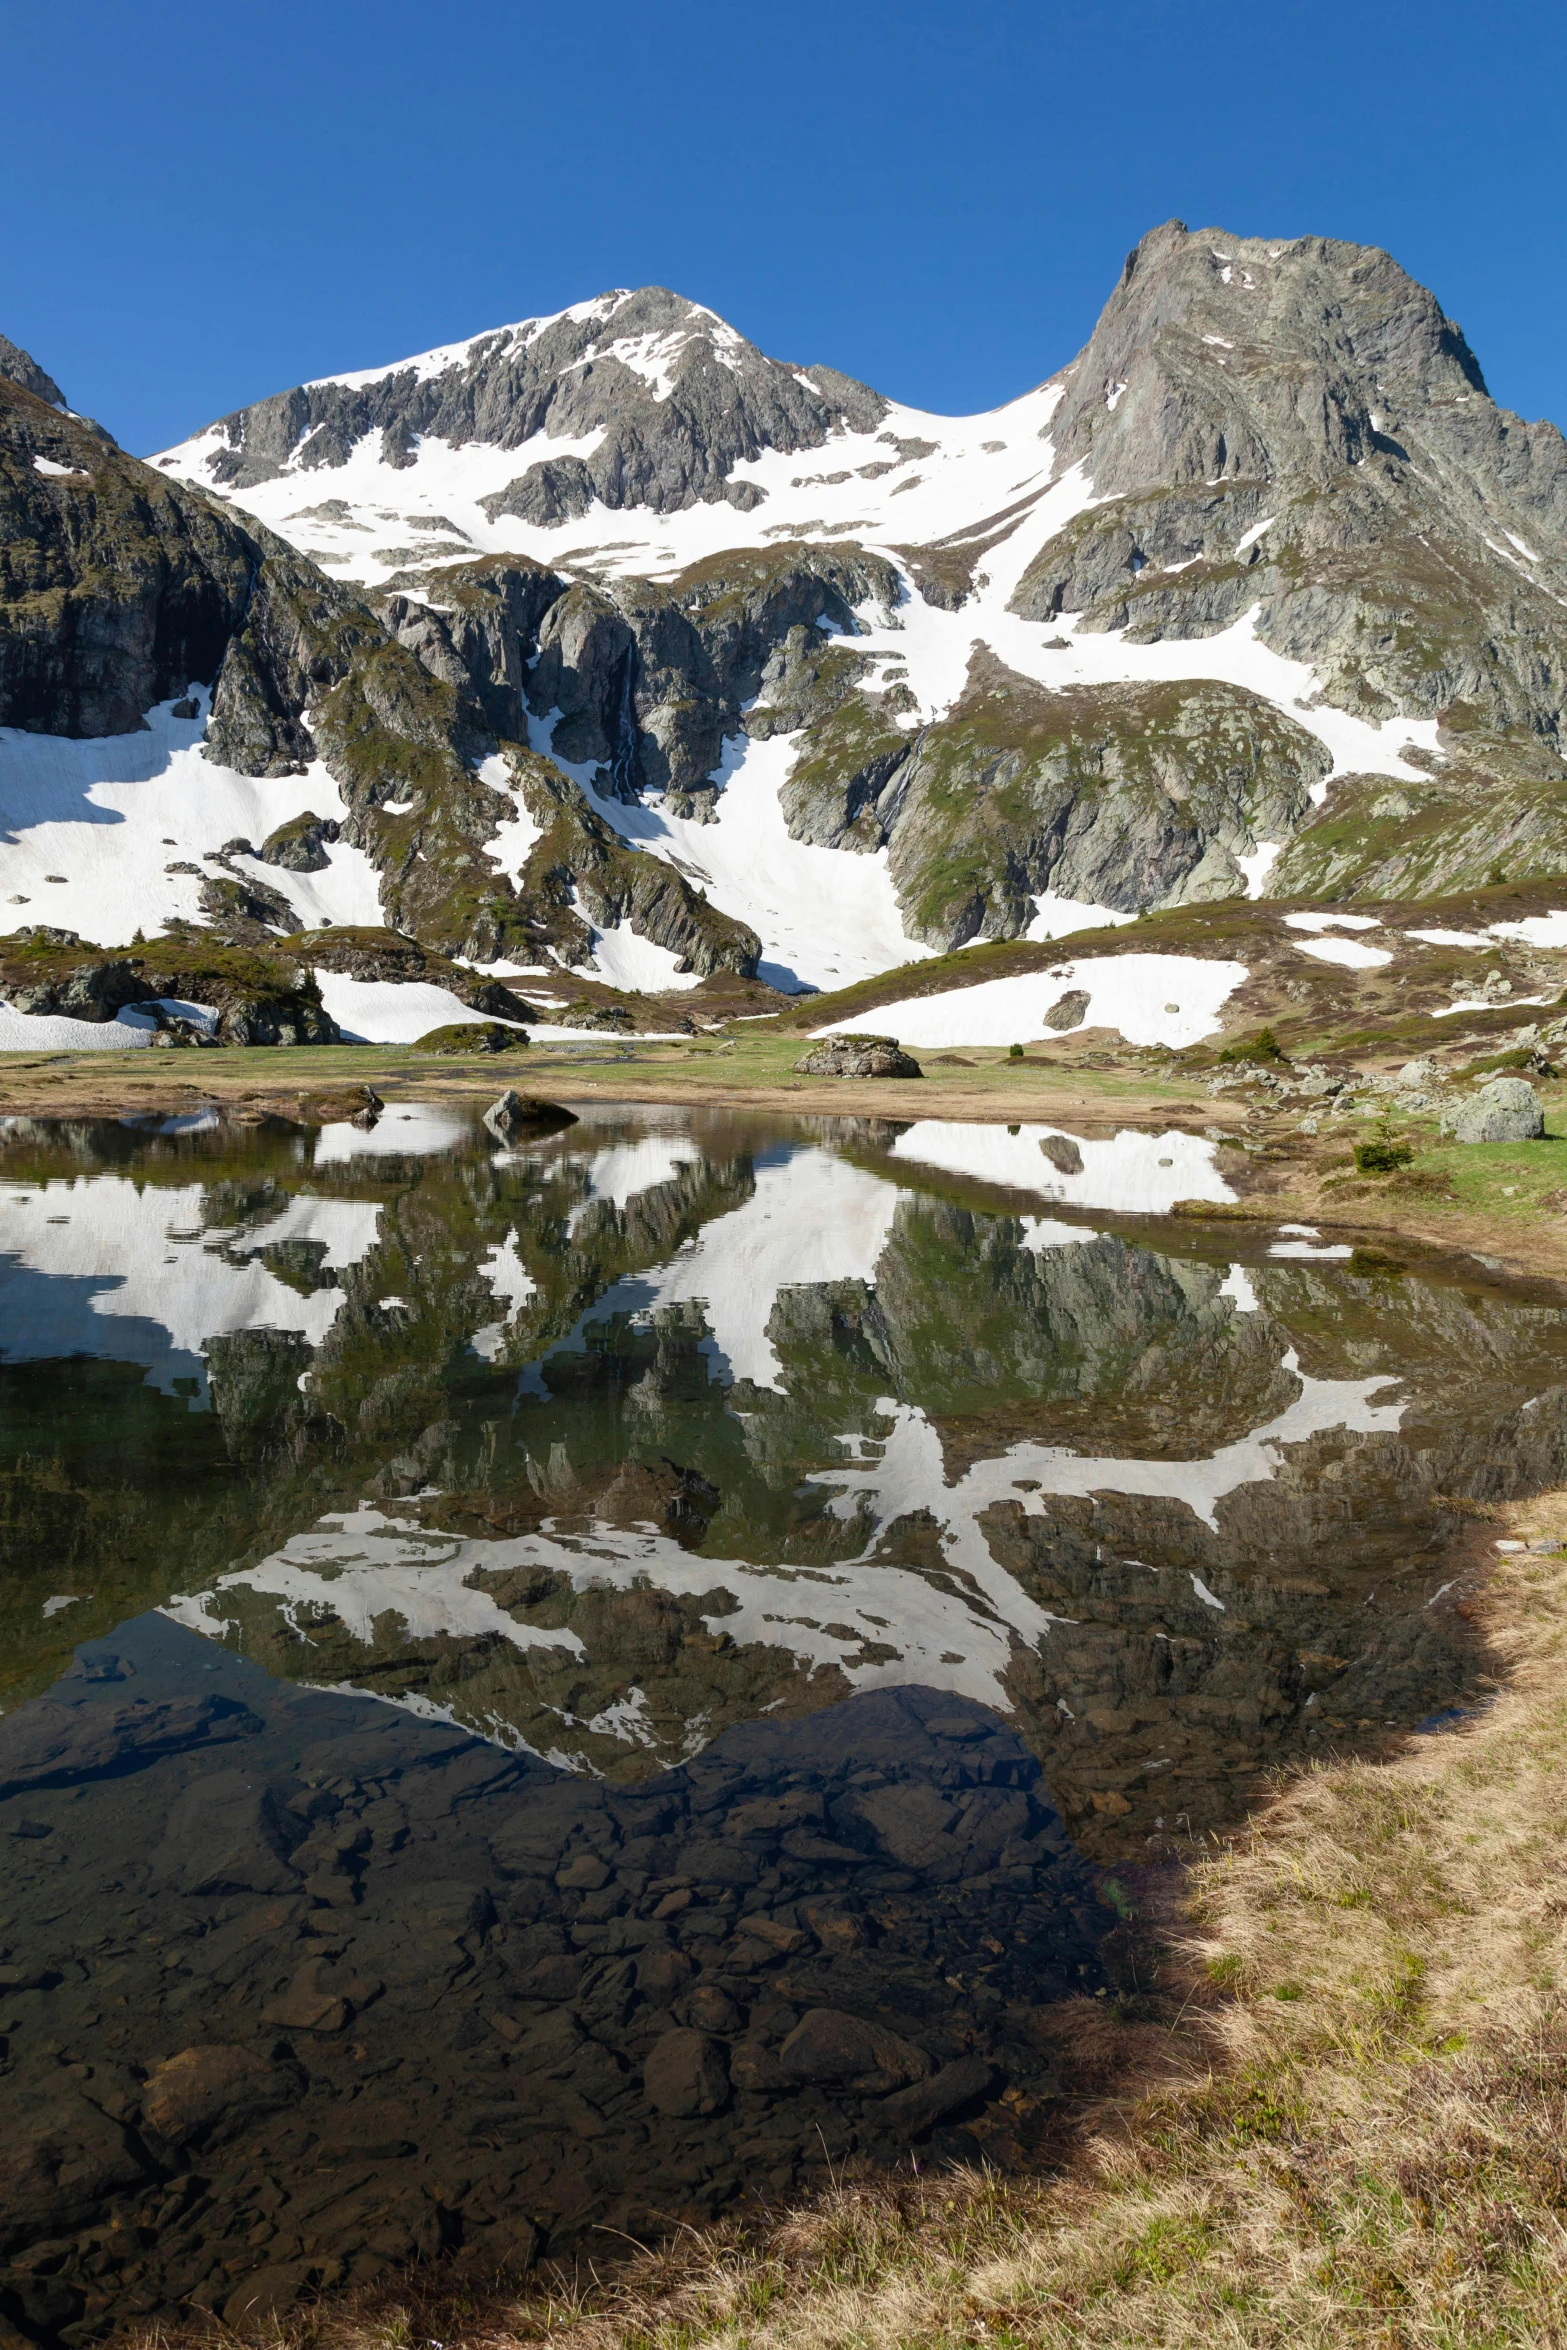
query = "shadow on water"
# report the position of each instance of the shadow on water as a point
(551, 1690)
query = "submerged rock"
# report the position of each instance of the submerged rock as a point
(687, 2074)
(858, 1056)
(829, 2045)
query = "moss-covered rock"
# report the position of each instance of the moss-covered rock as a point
(1127, 796)
(1487, 809)
(471, 1036)
(301, 844)
(260, 998)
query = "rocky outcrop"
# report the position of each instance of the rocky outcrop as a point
(117, 588)
(390, 955)
(481, 631)
(259, 997)
(676, 398)
(20, 367)
(301, 844)
(858, 1056)
(1295, 425)
(579, 866)
(642, 681)
(1127, 796)
(471, 1036)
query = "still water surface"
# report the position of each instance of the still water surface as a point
(549, 1689)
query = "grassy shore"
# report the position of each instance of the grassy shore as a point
(1347, 2128)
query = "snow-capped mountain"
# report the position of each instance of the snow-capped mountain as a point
(603, 641)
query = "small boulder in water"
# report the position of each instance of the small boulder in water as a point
(858, 1056)
(522, 1113)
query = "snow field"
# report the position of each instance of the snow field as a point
(1172, 1000)
(1347, 951)
(110, 814)
(825, 917)
(44, 1032)
(389, 1011)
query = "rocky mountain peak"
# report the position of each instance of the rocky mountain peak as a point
(1224, 357)
(20, 367)
(634, 398)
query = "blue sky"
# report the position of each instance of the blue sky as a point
(209, 204)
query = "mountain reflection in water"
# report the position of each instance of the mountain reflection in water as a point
(512, 1638)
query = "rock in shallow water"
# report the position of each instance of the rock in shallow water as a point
(687, 2074)
(520, 1113)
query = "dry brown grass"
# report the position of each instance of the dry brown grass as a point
(1373, 2152)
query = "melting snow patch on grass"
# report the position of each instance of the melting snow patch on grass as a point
(1348, 951)
(1171, 1000)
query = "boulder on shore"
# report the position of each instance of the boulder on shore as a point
(1506, 1110)
(858, 1056)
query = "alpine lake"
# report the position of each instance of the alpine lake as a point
(555, 1689)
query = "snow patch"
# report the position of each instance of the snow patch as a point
(636, 964)
(1259, 865)
(1536, 930)
(389, 1011)
(1058, 917)
(47, 1032)
(1171, 1000)
(111, 813)
(1347, 951)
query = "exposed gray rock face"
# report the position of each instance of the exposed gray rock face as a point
(301, 843)
(20, 367)
(579, 867)
(1123, 795)
(647, 680)
(482, 632)
(1506, 1110)
(1068, 1011)
(678, 399)
(1298, 426)
(858, 1056)
(117, 586)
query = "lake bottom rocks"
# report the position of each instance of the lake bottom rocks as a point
(296, 1989)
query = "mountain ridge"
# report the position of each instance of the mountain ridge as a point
(680, 659)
